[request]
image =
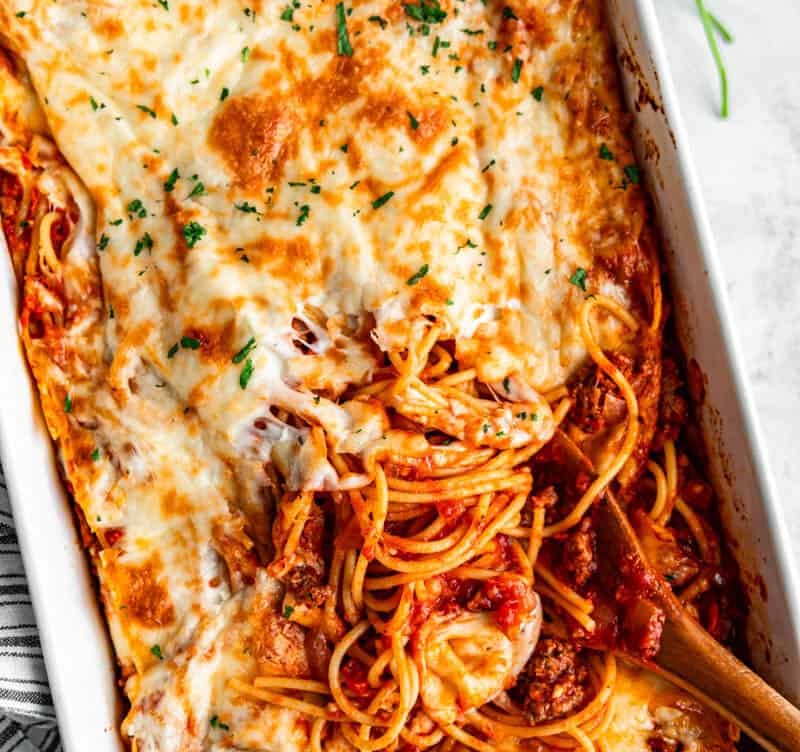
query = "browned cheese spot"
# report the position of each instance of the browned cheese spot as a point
(254, 136)
(144, 596)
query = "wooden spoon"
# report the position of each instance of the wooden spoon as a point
(693, 660)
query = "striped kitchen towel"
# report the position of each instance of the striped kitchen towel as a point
(27, 719)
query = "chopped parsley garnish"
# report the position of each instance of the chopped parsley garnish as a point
(508, 13)
(217, 723)
(425, 69)
(173, 351)
(436, 44)
(485, 211)
(489, 165)
(171, 180)
(137, 207)
(429, 12)
(156, 651)
(354, 185)
(417, 275)
(343, 148)
(414, 122)
(223, 95)
(381, 200)
(116, 222)
(538, 93)
(111, 311)
(454, 141)
(96, 454)
(245, 54)
(297, 184)
(190, 343)
(94, 104)
(316, 189)
(164, 4)
(492, 45)
(342, 40)
(472, 32)
(192, 233)
(174, 119)
(305, 209)
(287, 14)
(507, 384)
(146, 110)
(67, 404)
(516, 70)
(143, 243)
(382, 22)
(605, 153)
(103, 242)
(21, 14)
(247, 372)
(632, 173)
(288, 611)
(578, 278)
(521, 415)
(198, 190)
(246, 207)
(245, 351)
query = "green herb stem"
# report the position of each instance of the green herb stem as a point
(708, 25)
(721, 29)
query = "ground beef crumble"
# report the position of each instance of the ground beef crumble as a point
(556, 681)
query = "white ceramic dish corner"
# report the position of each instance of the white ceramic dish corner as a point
(74, 638)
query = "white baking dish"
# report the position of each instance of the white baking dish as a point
(74, 638)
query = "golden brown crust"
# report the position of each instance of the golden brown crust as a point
(254, 138)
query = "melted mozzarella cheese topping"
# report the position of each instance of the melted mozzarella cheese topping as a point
(648, 710)
(176, 700)
(249, 180)
(467, 661)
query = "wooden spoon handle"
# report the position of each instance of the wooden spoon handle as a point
(693, 660)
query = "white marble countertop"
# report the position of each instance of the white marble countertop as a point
(749, 167)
